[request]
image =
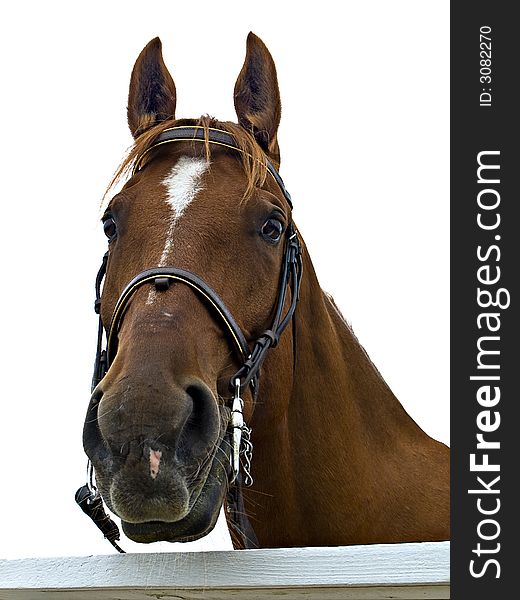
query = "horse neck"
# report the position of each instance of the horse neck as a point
(336, 388)
(340, 435)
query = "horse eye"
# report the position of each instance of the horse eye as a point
(272, 230)
(109, 227)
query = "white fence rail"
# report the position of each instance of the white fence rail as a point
(376, 572)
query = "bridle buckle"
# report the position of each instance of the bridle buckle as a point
(162, 283)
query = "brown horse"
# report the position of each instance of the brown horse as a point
(337, 460)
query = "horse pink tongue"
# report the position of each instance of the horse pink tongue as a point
(155, 459)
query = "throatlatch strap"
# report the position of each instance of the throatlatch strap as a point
(290, 276)
(100, 363)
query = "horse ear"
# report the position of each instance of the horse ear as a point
(257, 98)
(152, 96)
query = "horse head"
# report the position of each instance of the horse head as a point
(157, 426)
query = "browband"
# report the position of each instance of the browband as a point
(196, 133)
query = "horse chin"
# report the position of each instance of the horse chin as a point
(201, 518)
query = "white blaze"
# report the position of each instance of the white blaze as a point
(183, 183)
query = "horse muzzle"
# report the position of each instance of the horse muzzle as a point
(203, 511)
(165, 473)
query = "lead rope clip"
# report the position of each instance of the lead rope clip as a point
(241, 445)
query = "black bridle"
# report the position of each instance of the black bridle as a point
(251, 358)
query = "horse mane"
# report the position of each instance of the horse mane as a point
(254, 161)
(349, 327)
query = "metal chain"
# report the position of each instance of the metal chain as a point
(247, 454)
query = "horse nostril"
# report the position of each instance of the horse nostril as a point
(157, 425)
(200, 398)
(202, 426)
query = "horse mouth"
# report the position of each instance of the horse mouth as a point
(203, 512)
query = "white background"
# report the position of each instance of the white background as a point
(364, 142)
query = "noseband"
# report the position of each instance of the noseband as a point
(251, 358)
